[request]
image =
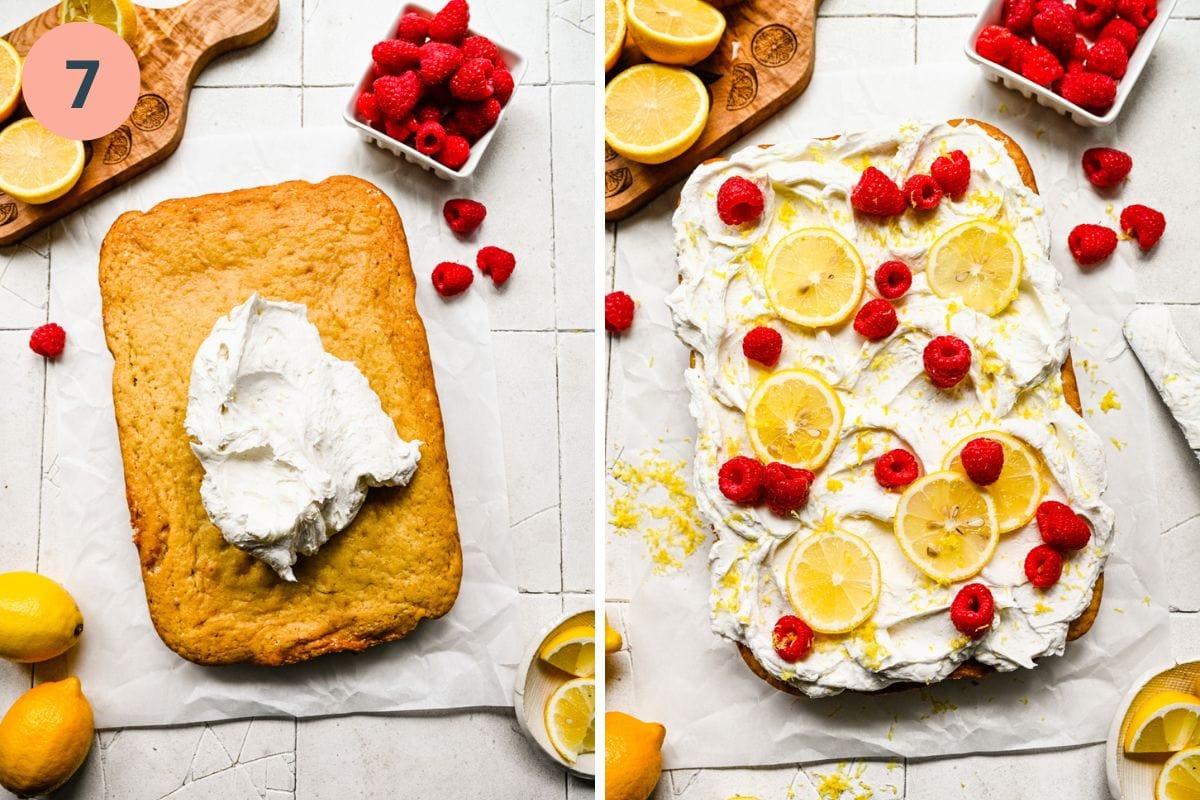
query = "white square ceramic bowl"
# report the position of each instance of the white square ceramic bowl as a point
(992, 14)
(516, 65)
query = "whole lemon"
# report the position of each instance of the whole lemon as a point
(632, 756)
(38, 618)
(44, 738)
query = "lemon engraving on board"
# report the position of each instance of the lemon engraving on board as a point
(815, 278)
(1019, 489)
(654, 113)
(794, 417)
(977, 262)
(946, 527)
(833, 581)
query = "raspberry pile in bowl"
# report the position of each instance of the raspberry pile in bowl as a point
(435, 87)
(1078, 51)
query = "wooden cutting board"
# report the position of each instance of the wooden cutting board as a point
(174, 46)
(764, 62)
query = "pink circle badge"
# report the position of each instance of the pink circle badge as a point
(81, 80)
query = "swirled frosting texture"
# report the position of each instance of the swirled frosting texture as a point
(290, 437)
(1014, 386)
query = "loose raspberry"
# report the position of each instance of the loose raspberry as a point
(496, 263)
(763, 345)
(1055, 28)
(739, 201)
(878, 195)
(995, 43)
(1108, 56)
(439, 61)
(450, 278)
(1093, 14)
(741, 480)
(953, 173)
(400, 129)
(973, 610)
(1089, 90)
(48, 340)
(1144, 224)
(502, 85)
(1018, 16)
(876, 320)
(791, 638)
(413, 28)
(893, 279)
(464, 216)
(896, 468)
(983, 458)
(1123, 31)
(450, 24)
(473, 80)
(398, 94)
(430, 138)
(1062, 528)
(456, 151)
(473, 120)
(1140, 12)
(480, 47)
(368, 106)
(1041, 66)
(1043, 566)
(786, 488)
(394, 56)
(947, 361)
(618, 312)
(1091, 244)
(922, 192)
(1106, 167)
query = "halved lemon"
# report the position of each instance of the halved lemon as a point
(833, 581)
(570, 718)
(1020, 487)
(10, 79)
(654, 113)
(682, 32)
(1180, 777)
(946, 526)
(977, 262)
(36, 165)
(795, 418)
(119, 16)
(1165, 722)
(815, 278)
(614, 32)
(573, 650)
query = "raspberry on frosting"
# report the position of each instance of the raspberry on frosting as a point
(947, 361)
(1043, 566)
(973, 610)
(922, 192)
(739, 201)
(786, 488)
(876, 320)
(741, 480)
(893, 279)
(953, 173)
(763, 345)
(896, 468)
(878, 195)
(983, 460)
(1062, 528)
(791, 638)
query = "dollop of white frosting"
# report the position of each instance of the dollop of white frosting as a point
(1014, 386)
(289, 436)
(1171, 367)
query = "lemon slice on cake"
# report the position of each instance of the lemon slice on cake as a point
(1180, 777)
(10, 79)
(571, 718)
(36, 165)
(833, 581)
(946, 526)
(795, 418)
(978, 263)
(682, 32)
(1165, 722)
(815, 278)
(1020, 487)
(654, 113)
(614, 32)
(119, 16)
(573, 650)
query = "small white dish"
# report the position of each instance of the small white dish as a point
(516, 66)
(992, 15)
(536, 681)
(1132, 778)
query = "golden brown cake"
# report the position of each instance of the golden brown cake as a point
(166, 276)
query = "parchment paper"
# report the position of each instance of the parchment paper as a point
(467, 658)
(717, 713)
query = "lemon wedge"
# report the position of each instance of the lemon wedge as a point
(612, 639)
(654, 113)
(614, 32)
(833, 581)
(1180, 777)
(1020, 487)
(795, 418)
(573, 650)
(978, 263)
(815, 278)
(10, 79)
(36, 165)
(571, 718)
(946, 526)
(119, 16)
(1164, 722)
(682, 32)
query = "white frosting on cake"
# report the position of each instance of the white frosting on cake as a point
(1014, 386)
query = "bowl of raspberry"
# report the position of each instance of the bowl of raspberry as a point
(436, 90)
(1081, 58)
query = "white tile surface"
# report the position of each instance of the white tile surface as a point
(843, 41)
(23, 284)
(223, 110)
